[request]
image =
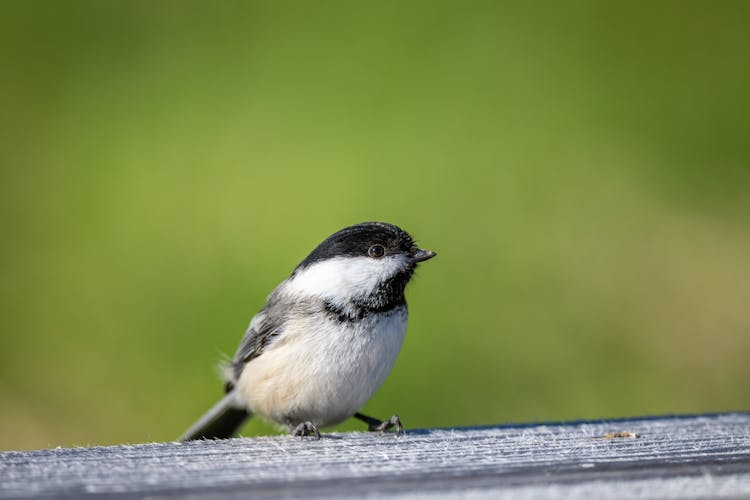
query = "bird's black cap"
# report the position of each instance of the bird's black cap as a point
(356, 241)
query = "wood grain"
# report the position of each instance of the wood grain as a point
(669, 457)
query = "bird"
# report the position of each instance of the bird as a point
(325, 340)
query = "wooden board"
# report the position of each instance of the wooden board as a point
(671, 457)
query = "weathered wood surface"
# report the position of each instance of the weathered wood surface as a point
(672, 457)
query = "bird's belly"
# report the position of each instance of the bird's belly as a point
(323, 373)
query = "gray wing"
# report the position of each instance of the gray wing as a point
(264, 328)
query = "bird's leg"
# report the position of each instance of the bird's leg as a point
(305, 429)
(372, 423)
(375, 425)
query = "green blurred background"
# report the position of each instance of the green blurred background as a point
(581, 168)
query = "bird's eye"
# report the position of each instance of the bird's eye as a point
(376, 251)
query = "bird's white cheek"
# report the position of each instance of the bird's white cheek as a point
(345, 277)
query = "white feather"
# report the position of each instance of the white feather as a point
(344, 278)
(323, 371)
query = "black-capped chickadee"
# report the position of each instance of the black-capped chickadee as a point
(326, 338)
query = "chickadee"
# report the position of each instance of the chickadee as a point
(326, 338)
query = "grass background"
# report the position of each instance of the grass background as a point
(581, 168)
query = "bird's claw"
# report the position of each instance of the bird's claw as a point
(376, 425)
(306, 429)
(386, 425)
(382, 426)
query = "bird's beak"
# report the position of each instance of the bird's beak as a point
(421, 255)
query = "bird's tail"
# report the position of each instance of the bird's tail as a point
(222, 421)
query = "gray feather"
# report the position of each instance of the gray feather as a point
(268, 325)
(263, 329)
(222, 421)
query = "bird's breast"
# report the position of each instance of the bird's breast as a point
(323, 370)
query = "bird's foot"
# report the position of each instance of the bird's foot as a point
(392, 423)
(375, 425)
(306, 429)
